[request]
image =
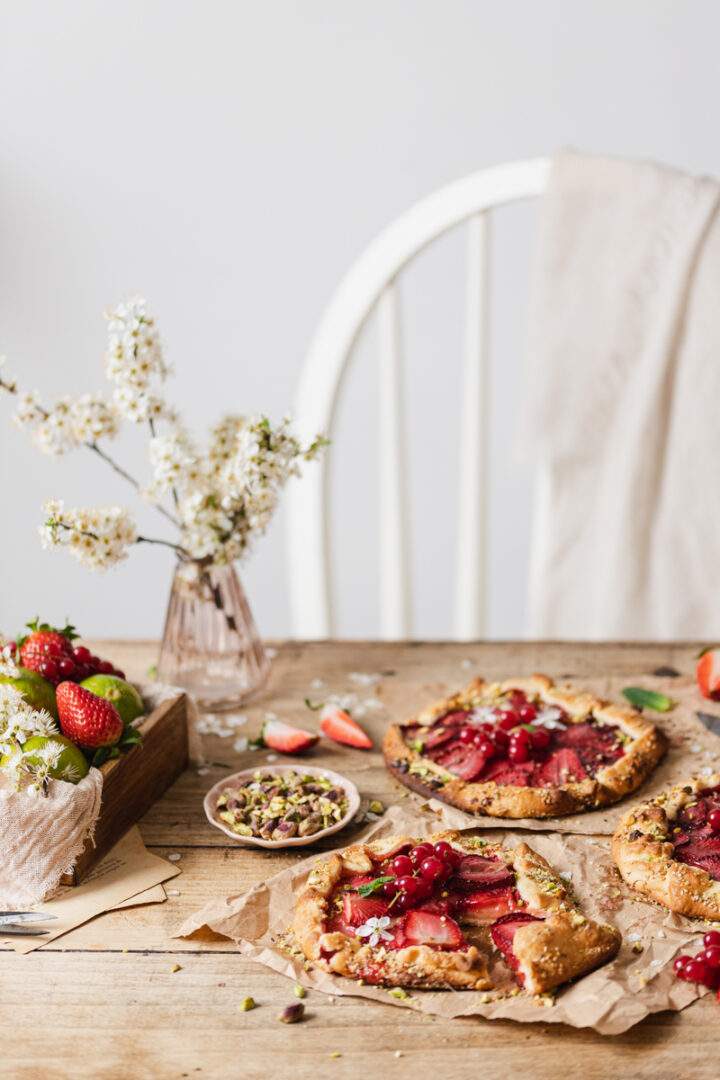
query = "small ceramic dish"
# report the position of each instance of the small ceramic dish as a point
(239, 778)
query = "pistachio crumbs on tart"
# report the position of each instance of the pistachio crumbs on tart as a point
(435, 913)
(524, 748)
(668, 848)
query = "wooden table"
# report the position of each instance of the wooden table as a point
(103, 1001)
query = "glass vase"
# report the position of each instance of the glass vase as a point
(211, 646)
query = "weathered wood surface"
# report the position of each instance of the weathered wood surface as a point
(102, 1001)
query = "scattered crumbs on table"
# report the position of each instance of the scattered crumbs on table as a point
(695, 748)
(174, 968)
(467, 663)
(634, 936)
(123, 950)
(270, 758)
(331, 999)
(270, 652)
(398, 1053)
(661, 934)
(173, 892)
(317, 684)
(240, 745)
(566, 875)
(175, 857)
(203, 772)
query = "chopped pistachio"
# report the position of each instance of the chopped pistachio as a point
(247, 1004)
(291, 1014)
(398, 993)
(376, 807)
(299, 991)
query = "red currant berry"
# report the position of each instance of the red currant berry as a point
(12, 647)
(510, 719)
(67, 668)
(49, 669)
(517, 698)
(466, 734)
(423, 890)
(389, 889)
(695, 971)
(93, 662)
(711, 938)
(402, 866)
(711, 956)
(484, 745)
(522, 735)
(679, 964)
(518, 752)
(540, 739)
(448, 854)
(433, 868)
(119, 674)
(489, 729)
(527, 713)
(81, 653)
(105, 667)
(422, 851)
(714, 820)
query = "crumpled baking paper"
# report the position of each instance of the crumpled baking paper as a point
(639, 981)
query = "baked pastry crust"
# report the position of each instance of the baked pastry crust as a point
(643, 852)
(564, 945)
(645, 749)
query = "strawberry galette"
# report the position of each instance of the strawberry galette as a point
(669, 848)
(436, 913)
(524, 748)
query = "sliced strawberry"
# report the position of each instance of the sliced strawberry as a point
(707, 674)
(441, 906)
(287, 740)
(399, 940)
(339, 726)
(426, 928)
(595, 744)
(477, 872)
(455, 719)
(438, 737)
(503, 932)
(509, 774)
(464, 760)
(693, 815)
(562, 767)
(358, 909)
(486, 905)
(360, 879)
(337, 925)
(706, 861)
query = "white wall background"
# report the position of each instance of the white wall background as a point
(229, 159)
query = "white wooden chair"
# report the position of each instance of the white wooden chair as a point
(371, 282)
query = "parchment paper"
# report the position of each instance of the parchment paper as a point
(692, 749)
(610, 1000)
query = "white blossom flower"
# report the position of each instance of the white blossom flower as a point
(98, 537)
(375, 930)
(134, 359)
(93, 418)
(8, 664)
(28, 412)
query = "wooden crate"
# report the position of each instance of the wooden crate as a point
(134, 781)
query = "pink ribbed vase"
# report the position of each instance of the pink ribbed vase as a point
(211, 646)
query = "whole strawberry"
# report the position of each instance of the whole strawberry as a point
(87, 719)
(48, 651)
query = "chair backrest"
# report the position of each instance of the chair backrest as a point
(370, 283)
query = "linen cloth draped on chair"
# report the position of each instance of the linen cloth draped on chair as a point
(622, 399)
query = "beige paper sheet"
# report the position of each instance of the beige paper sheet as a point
(692, 749)
(128, 870)
(610, 1000)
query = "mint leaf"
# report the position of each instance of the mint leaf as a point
(648, 699)
(373, 886)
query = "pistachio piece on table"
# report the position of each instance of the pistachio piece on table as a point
(291, 1014)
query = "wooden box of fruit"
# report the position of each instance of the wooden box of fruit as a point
(83, 714)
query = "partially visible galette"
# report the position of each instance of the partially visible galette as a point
(435, 913)
(669, 848)
(524, 748)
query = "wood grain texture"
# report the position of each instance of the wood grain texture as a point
(135, 781)
(85, 1007)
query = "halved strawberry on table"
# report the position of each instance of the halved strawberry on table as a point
(707, 674)
(339, 726)
(279, 736)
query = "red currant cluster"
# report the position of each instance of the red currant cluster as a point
(705, 966)
(417, 873)
(507, 737)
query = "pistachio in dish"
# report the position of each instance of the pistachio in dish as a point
(278, 806)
